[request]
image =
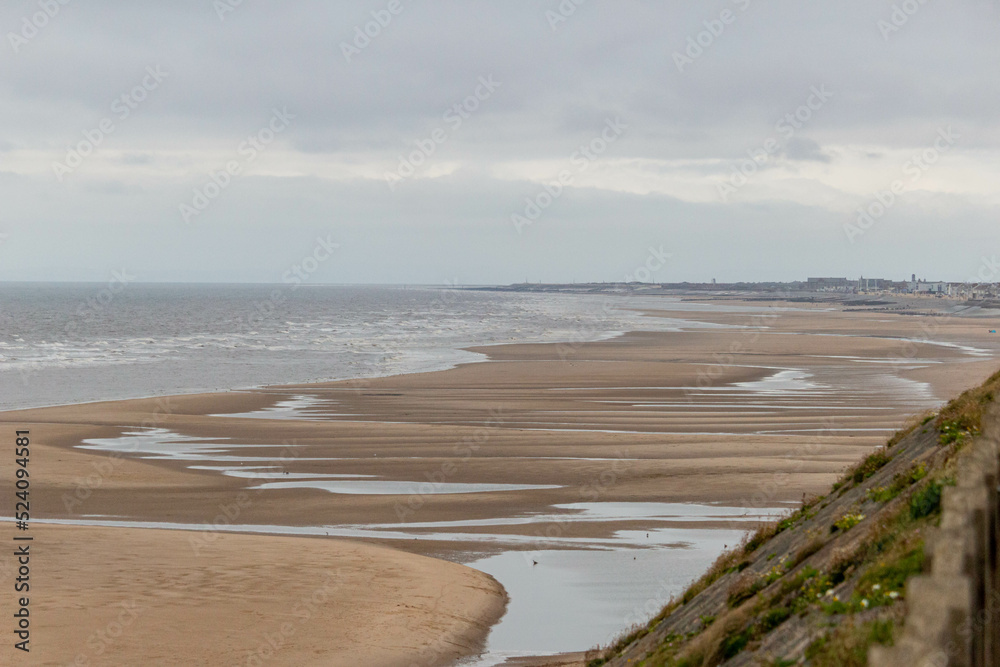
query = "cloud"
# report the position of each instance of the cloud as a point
(800, 148)
(355, 118)
(138, 158)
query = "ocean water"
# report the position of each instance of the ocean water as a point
(68, 343)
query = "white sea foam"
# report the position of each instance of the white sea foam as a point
(182, 339)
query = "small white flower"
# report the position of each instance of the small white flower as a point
(893, 594)
(864, 603)
(829, 592)
(876, 587)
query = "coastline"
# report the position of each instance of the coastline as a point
(548, 415)
(357, 350)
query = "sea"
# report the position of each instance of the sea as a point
(69, 343)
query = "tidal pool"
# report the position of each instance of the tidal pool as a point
(573, 600)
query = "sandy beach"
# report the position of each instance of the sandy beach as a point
(390, 483)
(112, 596)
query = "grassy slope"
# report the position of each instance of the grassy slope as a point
(821, 585)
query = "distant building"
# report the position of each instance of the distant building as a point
(827, 284)
(873, 284)
(896, 286)
(925, 287)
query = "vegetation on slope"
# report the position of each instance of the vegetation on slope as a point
(821, 585)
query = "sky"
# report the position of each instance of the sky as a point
(473, 142)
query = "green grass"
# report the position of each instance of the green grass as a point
(847, 646)
(738, 639)
(891, 575)
(726, 563)
(773, 618)
(864, 469)
(767, 531)
(735, 643)
(869, 466)
(882, 585)
(927, 501)
(964, 415)
(952, 431)
(900, 482)
(848, 521)
(812, 589)
(749, 585)
(760, 536)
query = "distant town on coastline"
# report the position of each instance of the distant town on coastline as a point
(983, 291)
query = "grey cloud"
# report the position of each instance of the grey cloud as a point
(801, 148)
(138, 158)
(558, 87)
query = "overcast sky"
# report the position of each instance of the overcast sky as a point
(228, 140)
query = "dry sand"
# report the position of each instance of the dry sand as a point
(644, 417)
(111, 596)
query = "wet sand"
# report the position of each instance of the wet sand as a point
(772, 406)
